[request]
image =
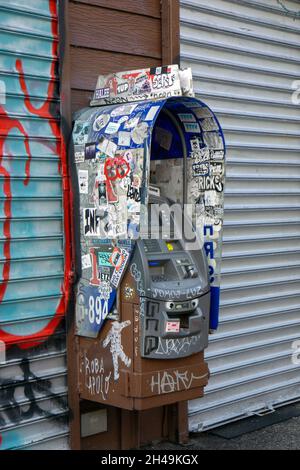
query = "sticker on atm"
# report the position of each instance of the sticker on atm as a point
(118, 259)
(104, 273)
(90, 151)
(200, 169)
(79, 153)
(191, 127)
(104, 258)
(172, 327)
(186, 117)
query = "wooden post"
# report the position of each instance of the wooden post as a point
(170, 32)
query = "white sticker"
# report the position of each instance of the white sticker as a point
(213, 140)
(107, 147)
(100, 122)
(191, 127)
(216, 168)
(217, 155)
(101, 174)
(124, 139)
(127, 154)
(102, 145)
(131, 123)
(201, 155)
(195, 144)
(86, 261)
(211, 198)
(186, 117)
(200, 169)
(83, 179)
(123, 119)
(104, 290)
(172, 327)
(111, 149)
(151, 113)
(112, 128)
(203, 112)
(209, 124)
(139, 133)
(124, 109)
(79, 154)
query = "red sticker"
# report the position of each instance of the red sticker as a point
(172, 327)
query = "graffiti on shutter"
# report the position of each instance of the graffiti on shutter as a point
(35, 259)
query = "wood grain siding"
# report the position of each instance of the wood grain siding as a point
(93, 60)
(109, 36)
(140, 7)
(112, 30)
(103, 36)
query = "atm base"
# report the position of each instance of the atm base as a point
(127, 399)
(144, 384)
(139, 407)
(133, 429)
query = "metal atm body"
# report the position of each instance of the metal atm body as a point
(153, 350)
(174, 290)
(144, 303)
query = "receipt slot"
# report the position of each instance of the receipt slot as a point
(148, 179)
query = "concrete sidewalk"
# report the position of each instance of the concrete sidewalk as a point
(281, 436)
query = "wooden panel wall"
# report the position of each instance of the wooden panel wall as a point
(113, 35)
(103, 36)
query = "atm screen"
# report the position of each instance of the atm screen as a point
(156, 268)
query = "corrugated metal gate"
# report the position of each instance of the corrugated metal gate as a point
(245, 55)
(33, 407)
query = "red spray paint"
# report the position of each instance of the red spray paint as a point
(7, 125)
(25, 342)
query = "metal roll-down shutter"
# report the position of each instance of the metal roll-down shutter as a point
(245, 57)
(33, 405)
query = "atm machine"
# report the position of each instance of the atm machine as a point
(174, 288)
(148, 179)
